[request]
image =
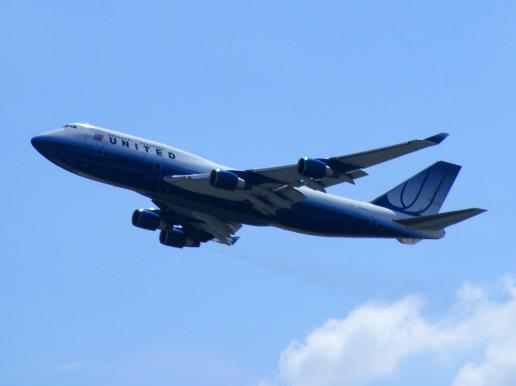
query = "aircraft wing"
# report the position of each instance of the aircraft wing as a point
(348, 167)
(271, 189)
(267, 196)
(216, 229)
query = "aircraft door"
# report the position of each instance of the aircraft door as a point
(99, 144)
(156, 166)
(155, 171)
(160, 171)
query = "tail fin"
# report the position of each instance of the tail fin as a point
(422, 194)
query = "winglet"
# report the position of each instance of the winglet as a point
(438, 138)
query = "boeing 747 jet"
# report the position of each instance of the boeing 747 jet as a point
(197, 200)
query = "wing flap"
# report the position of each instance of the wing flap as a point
(267, 198)
(222, 231)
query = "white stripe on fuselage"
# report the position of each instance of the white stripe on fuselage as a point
(151, 148)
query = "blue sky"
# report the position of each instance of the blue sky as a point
(87, 299)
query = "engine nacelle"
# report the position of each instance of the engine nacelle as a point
(147, 219)
(223, 179)
(177, 238)
(314, 168)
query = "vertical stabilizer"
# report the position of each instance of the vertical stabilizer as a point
(422, 194)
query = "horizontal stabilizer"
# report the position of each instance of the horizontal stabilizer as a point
(439, 221)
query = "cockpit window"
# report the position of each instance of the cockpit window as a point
(71, 126)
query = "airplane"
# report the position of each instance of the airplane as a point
(198, 200)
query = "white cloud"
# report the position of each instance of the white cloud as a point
(371, 342)
(498, 368)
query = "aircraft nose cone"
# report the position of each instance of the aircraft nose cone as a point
(58, 147)
(37, 142)
(41, 143)
(47, 144)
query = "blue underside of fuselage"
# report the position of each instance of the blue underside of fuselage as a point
(123, 169)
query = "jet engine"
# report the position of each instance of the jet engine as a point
(177, 238)
(314, 168)
(147, 219)
(223, 179)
